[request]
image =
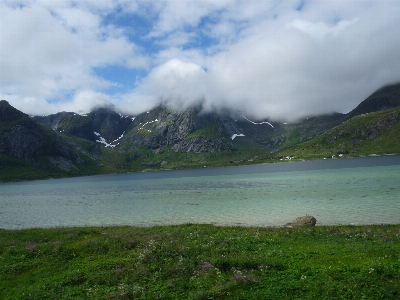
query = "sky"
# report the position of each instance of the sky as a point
(266, 59)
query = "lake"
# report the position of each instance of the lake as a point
(336, 191)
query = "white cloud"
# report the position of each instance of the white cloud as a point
(273, 59)
(176, 15)
(50, 48)
(86, 100)
(295, 63)
(176, 83)
(320, 30)
(82, 102)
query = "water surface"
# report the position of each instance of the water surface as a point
(341, 191)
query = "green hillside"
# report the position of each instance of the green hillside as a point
(373, 133)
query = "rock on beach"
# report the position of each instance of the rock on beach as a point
(303, 221)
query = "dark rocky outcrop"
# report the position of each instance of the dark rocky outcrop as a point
(303, 221)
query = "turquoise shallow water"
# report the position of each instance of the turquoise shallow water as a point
(346, 191)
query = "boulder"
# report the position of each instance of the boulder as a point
(303, 221)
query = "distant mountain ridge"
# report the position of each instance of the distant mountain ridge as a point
(105, 141)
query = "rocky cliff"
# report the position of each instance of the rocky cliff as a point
(181, 131)
(187, 131)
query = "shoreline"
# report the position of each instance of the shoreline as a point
(159, 171)
(269, 161)
(166, 226)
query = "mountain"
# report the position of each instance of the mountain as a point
(104, 141)
(370, 128)
(384, 98)
(33, 148)
(159, 138)
(181, 131)
(105, 122)
(187, 131)
(289, 134)
(162, 129)
(366, 134)
(22, 138)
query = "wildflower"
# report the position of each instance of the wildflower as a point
(31, 247)
(263, 266)
(238, 276)
(244, 278)
(119, 271)
(206, 265)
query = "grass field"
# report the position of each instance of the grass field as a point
(201, 262)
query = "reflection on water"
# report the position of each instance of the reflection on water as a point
(348, 191)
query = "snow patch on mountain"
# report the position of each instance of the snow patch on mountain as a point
(114, 141)
(103, 141)
(142, 127)
(236, 135)
(259, 122)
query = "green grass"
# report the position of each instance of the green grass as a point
(201, 262)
